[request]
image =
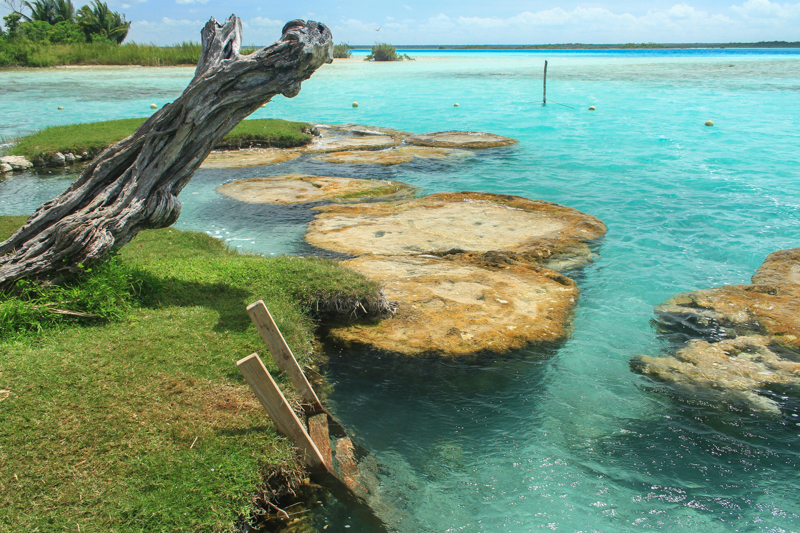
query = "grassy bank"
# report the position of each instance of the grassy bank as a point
(140, 421)
(94, 137)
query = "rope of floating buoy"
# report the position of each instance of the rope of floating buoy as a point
(563, 105)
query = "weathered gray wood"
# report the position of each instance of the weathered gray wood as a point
(279, 410)
(544, 85)
(133, 185)
(281, 352)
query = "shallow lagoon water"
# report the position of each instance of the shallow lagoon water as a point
(566, 438)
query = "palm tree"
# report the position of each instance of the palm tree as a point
(51, 11)
(99, 20)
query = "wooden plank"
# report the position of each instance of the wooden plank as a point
(279, 410)
(318, 429)
(281, 352)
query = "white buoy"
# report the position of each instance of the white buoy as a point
(355, 104)
(153, 106)
(61, 108)
(709, 122)
(456, 104)
(592, 108)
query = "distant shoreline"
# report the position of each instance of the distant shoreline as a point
(582, 46)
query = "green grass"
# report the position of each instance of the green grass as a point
(268, 132)
(24, 53)
(139, 421)
(96, 136)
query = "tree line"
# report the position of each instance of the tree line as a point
(58, 22)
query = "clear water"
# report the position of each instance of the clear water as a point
(567, 439)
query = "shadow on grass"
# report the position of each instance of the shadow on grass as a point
(227, 300)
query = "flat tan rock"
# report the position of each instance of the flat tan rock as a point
(248, 157)
(460, 139)
(737, 368)
(393, 156)
(428, 152)
(467, 221)
(301, 188)
(338, 143)
(366, 157)
(360, 129)
(458, 309)
(770, 306)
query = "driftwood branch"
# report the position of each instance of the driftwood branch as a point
(134, 184)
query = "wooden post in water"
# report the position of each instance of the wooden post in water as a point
(544, 85)
(282, 354)
(279, 410)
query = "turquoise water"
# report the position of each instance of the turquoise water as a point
(566, 439)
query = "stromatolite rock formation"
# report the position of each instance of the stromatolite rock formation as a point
(736, 368)
(757, 332)
(248, 157)
(394, 156)
(461, 139)
(336, 140)
(463, 268)
(474, 222)
(302, 188)
(769, 306)
(456, 308)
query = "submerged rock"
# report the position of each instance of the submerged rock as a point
(429, 152)
(769, 306)
(737, 368)
(300, 188)
(473, 222)
(455, 308)
(248, 157)
(757, 332)
(461, 139)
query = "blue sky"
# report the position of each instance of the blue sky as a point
(475, 21)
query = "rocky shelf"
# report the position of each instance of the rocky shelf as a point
(467, 221)
(455, 308)
(464, 269)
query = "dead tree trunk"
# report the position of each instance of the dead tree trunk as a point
(133, 185)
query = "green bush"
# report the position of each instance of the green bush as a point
(104, 291)
(341, 51)
(385, 52)
(66, 33)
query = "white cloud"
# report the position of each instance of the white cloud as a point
(264, 22)
(767, 9)
(753, 20)
(191, 1)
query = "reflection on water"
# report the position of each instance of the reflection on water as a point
(570, 439)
